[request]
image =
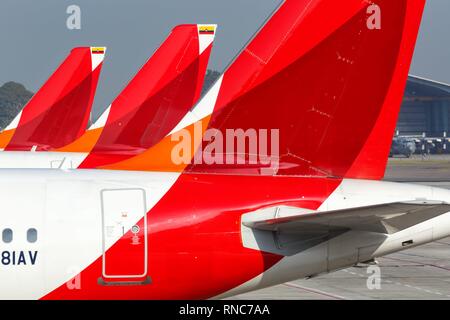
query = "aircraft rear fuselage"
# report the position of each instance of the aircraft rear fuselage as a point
(89, 234)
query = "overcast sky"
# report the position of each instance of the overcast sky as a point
(34, 38)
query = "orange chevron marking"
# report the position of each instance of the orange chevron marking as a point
(5, 137)
(85, 143)
(159, 157)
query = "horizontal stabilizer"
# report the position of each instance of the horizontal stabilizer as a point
(386, 218)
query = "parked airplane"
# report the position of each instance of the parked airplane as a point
(214, 229)
(155, 100)
(59, 112)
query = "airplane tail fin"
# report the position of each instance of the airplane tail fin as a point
(316, 93)
(157, 98)
(325, 80)
(59, 112)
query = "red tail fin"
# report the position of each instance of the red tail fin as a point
(157, 98)
(58, 113)
(330, 76)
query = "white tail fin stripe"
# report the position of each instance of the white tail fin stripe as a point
(97, 58)
(15, 122)
(203, 109)
(205, 40)
(101, 122)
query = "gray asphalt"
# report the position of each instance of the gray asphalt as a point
(421, 273)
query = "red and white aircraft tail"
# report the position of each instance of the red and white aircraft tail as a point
(150, 106)
(59, 112)
(322, 80)
(330, 78)
(155, 100)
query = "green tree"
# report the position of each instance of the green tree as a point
(13, 97)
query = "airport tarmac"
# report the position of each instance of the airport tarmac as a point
(418, 273)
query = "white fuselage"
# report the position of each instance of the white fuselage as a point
(40, 160)
(65, 207)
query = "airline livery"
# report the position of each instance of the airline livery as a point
(59, 112)
(156, 99)
(249, 188)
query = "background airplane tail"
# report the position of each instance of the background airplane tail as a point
(157, 98)
(59, 112)
(330, 77)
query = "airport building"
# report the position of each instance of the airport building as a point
(425, 109)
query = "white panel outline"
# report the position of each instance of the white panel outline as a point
(104, 249)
